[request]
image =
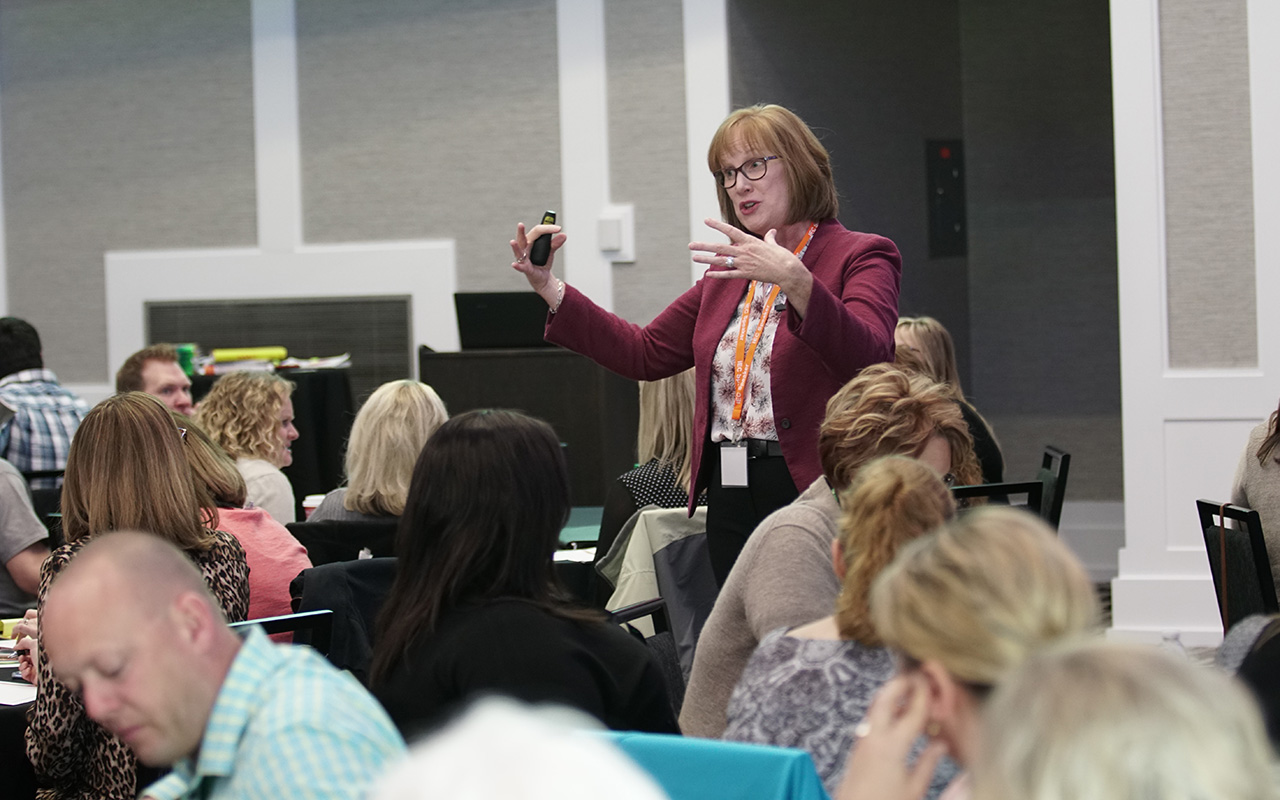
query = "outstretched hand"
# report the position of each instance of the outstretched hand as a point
(539, 277)
(745, 256)
(877, 768)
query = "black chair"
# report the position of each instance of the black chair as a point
(1034, 490)
(1053, 474)
(354, 591)
(313, 628)
(1238, 561)
(47, 503)
(662, 645)
(333, 540)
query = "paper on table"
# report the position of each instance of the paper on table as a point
(17, 693)
(584, 555)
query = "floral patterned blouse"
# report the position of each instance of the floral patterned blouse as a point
(757, 405)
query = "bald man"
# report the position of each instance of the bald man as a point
(130, 626)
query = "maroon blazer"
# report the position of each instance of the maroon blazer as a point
(849, 325)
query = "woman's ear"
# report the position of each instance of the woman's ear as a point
(837, 558)
(942, 690)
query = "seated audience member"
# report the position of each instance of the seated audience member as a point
(155, 370)
(131, 628)
(274, 556)
(1251, 652)
(475, 607)
(924, 344)
(543, 752)
(1257, 485)
(783, 577)
(961, 609)
(24, 544)
(250, 415)
(1084, 720)
(45, 416)
(662, 443)
(126, 471)
(386, 438)
(809, 686)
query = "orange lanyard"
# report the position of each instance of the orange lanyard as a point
(742, 356)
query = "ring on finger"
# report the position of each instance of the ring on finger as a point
(862, 730)
(728, 262)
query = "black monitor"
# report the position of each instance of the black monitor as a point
(500, 320)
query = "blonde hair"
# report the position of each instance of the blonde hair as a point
(1106, 719)
(386, 438)
(981, 594)
(242, 414)
(212, 467)
(892, 501)
(780, 132)
(933, 348)
(126, 471)
(666, 424)
(886, 411)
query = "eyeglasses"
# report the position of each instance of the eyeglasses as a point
(754, 170)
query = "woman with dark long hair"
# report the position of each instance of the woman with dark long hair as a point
(475, 607)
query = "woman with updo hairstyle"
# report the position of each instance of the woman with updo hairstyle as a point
(386, 438)
(792, 307)
(783, 577)
(963, 608)
(808, 687)
(475, 607)
(125, 471)
(250, 416)
(924, 344)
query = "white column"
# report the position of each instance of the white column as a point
(584, 144)
(706, 92)
(275, 125)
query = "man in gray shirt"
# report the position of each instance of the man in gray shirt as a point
(23, 544)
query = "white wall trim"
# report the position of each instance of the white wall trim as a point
(706, 93)
(282, 266)
(584, 144)
(1264, 99)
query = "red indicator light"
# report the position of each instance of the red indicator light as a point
(944, 152)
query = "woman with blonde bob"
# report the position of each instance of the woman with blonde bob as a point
(924, 344)
(125, 471)
(963, 608)
(1123, 721)
(250, 416)
(664, 472)
(783, 577)
(825, 673)
(274, 556)
(386, 438)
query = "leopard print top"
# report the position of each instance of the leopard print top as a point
(75, 758)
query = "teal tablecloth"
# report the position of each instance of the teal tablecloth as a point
(689, 768)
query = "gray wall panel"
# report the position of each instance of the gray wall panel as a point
(430, 119)
(645, 50)
(1042, 261)
(126, 125)
(1208, 170)
(875, 81)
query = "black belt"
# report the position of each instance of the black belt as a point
(760, 448)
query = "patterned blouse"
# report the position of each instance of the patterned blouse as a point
(810, 694)
(757, 405)
(71, 752)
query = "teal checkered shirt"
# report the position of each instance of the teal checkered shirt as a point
(286, 724)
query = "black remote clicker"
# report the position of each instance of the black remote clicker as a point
(541, 250)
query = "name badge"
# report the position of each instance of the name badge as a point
(733, 464)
